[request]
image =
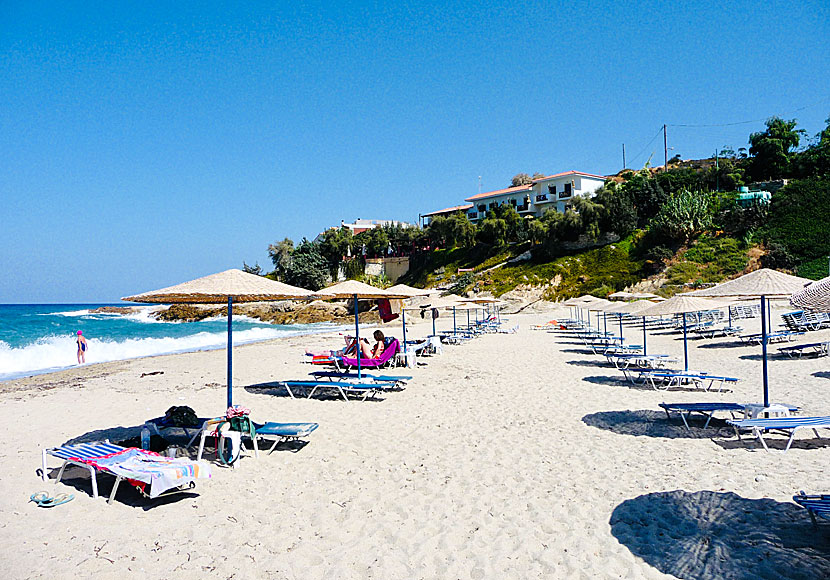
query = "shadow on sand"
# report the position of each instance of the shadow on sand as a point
(707, 534)
(619, 381)
(645, 423)
(822, 374)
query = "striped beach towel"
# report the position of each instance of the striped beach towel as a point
(145, 468)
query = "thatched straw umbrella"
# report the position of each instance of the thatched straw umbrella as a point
(682, 304)
(355, 290)
(229, 286)
(634, 307)
(816, 296)
(763, 284)
(410, 292)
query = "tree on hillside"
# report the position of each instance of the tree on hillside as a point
(815, 160)
(334, 245)
(684, 215)
(256, 269)
(521, 179)
(620, 211)
(537, 175)
(307, 268)
(771, 150)
(280, 253)
(451, 231)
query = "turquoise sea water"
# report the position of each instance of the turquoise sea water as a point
(38, 338)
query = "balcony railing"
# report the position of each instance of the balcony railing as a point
(542, 197)
(472, 215)
(521, 208)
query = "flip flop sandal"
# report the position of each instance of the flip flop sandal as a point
(59, 499)
(40, 497)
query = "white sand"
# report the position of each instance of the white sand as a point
(512, 456)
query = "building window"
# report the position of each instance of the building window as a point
(567, 192)
(472, 215)
(552, 189)
(542, 197)
(482, 208)
(513, 202)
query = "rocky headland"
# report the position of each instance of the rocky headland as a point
(282, 312)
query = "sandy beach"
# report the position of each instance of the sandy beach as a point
(512, 456)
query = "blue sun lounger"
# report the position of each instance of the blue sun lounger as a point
(348, 377)
(344, 388)
(667, 379)
(789, 425)
(709, 409)
(816, 505)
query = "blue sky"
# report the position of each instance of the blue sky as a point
(148, 144)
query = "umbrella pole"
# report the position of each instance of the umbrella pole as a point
(454, 331)
(468, 322)
(359, 353)
(604, 322)
(230, 351)
(764, 304)
(403, 323)
(685, 344)
(432, 313)
(644, 336)
(621, 332)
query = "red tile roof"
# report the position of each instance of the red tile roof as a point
(499, 192)
(464, 207)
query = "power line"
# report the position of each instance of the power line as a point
(636, 157)
(825, 100)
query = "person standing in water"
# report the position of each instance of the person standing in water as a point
(81, 348)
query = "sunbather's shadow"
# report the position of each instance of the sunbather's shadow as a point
(78, 478)
(621, 382)
(707, 534)
(646, 423)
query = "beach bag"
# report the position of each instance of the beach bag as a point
(182, 416)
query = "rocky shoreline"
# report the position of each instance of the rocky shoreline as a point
(282, 312)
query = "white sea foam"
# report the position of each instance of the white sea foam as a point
(59, 352)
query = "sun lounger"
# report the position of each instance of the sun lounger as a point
(667, 379)
(799, 350)
(384, 359)
(816, 505)
(772, 337)
(352, 377)
(150, 473)
(712, 332)
(708, 410)
(640, 361)
(788, 425)
(362, 390)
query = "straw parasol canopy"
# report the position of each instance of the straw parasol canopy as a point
(411, 292)
(763, 282)
(440, 302)
(816, 296)
(634, 307)
(216, 288)
(600, 304)
(681, 304)
(229, 286)
(352, 288)
(621, 295)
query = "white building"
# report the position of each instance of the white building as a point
(551, 192)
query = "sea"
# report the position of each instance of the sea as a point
(40, 338)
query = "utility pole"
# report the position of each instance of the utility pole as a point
(665, 150)
(623, 155)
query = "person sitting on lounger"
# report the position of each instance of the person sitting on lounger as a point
(374, 352)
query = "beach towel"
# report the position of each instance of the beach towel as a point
(385, 311)
(142, 468)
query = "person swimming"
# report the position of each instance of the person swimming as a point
(81, 347)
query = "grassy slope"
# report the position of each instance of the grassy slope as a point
(597, 271)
